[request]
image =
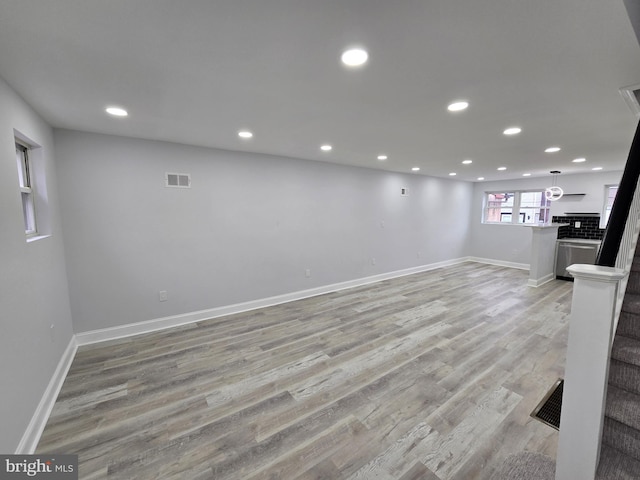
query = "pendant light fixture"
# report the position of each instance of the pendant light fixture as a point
(554, 192)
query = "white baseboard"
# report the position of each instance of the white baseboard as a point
(500, 263)
(31, 436)
(541, 281)
(122, 331)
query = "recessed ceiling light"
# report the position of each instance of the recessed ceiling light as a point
(416, 169)
(552, 150)
(326, 148)
(382, 157)
(526, 174)
(596, 168)
(354, 57)
(480, 178)
(512, 131)
(116, 111)
(245, 134)
(579, 160)
(467, 162)
(452, 174)
(458, 106)
(502, 168)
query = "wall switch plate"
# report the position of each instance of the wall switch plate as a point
(373, 261)
(578, 224)
(307, 273)
(163, 296)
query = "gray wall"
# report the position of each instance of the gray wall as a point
(33, 283)
(249, 227)
(512, 243)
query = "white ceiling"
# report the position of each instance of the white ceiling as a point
(197, 71)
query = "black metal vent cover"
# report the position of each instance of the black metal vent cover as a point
(548, 410)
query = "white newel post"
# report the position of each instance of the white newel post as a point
(586, 370)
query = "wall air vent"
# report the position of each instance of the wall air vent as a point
(631, 95)
(178, 180)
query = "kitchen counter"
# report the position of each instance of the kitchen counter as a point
(550, 225)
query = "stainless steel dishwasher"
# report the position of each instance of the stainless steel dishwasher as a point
(574, 250)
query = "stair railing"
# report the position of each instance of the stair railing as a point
(598, 292)
(617, 224)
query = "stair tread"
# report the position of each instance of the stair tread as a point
(626, 349)
(631, 302)
(623, 406)
(624, 375)
(629, 325)
(615, 465)
(633, 283)
(621, 437)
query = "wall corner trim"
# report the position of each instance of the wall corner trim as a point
(541, 281)
(34, 430)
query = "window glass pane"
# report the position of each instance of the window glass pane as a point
(29, 214)
(532, 199)
(499, 207)
(534, 208)
(23, 166)
(611, 196)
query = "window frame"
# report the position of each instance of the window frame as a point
(26, 185)
(516, 213)
(606, 206)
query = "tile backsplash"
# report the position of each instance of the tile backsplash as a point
(589, 227)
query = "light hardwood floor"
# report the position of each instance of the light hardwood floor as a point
(428, 376)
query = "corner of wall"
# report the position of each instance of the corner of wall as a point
(31, 436)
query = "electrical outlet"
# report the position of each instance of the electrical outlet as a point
(163, 296)
(373, 261)
(307, 273)
(578, 224)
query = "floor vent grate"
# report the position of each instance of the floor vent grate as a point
(548, 410)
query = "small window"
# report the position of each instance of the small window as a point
(526, 208)
(610, 192)
(534, 208)
(26, 188)
(499, 207)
